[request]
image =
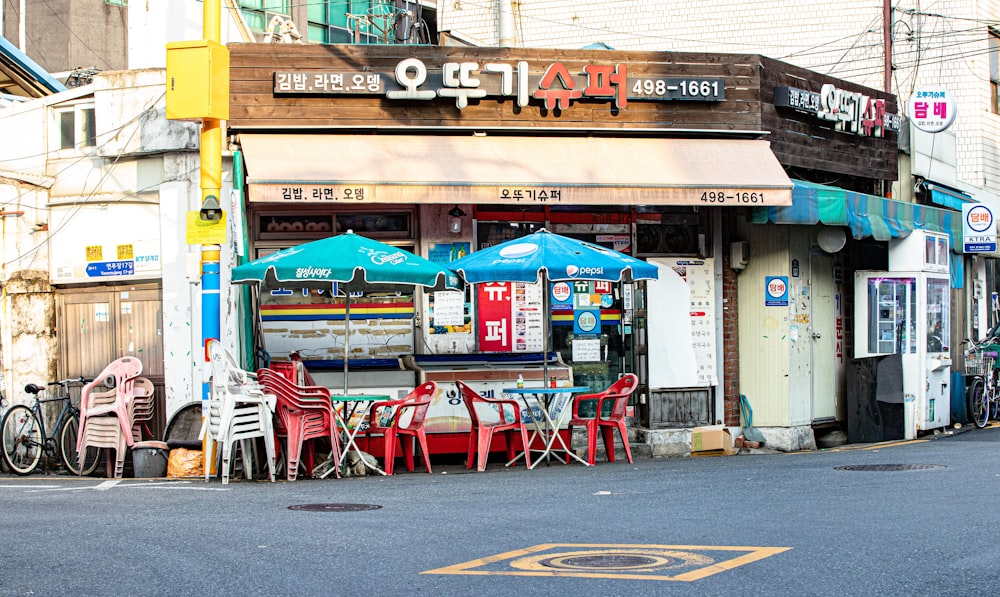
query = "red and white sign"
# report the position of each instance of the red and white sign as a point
(561, 292)
(495, 312)
(932, 109)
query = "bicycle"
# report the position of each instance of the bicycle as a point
(984, 391)
(25, 437)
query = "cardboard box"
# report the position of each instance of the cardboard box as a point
(713, 440)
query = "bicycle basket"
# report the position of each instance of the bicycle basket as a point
(976, 363)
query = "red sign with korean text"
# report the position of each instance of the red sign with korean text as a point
(494, 329)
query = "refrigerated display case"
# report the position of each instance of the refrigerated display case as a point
(909, 313)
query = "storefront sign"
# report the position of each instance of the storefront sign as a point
(979, 228)
(932, 109)
(850, 111)
(555, 88)
(510, 317)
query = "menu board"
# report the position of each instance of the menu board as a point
(510, 317)
(682, 323)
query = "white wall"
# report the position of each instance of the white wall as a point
(152, 25)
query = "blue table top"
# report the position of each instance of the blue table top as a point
(560, 390)
(359, 398)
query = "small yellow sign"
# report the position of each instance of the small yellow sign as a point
(205, 232)
(95, 253)
(125, 252)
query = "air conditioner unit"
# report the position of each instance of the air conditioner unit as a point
(739, 254)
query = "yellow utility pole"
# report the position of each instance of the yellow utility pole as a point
(198, 90)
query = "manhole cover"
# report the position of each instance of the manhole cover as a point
(889, 467)
(610, 561)
(335, 507)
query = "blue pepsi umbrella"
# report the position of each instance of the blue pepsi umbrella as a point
(547, 257)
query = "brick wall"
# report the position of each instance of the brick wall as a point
(730, 333)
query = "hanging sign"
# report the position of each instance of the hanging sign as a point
(932, 109)
(979, 229)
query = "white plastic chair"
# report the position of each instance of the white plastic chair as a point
(238, 410)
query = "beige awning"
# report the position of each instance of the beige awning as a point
(513, 170)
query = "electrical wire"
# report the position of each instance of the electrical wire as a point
(110, 134)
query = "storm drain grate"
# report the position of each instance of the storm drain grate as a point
(889, 467)
(335, 507)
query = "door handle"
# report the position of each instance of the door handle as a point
(816, 336)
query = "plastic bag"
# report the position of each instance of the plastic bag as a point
(185, 463)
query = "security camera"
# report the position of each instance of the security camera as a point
(210, 209)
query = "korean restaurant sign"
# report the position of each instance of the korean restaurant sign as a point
(555, 87)
(932, 109)
(849, 111)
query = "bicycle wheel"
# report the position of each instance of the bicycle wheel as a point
(22, 440)
(68, 453)
(978, 406)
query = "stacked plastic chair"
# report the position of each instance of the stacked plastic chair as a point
(304, 413)
(481, 435)
(105, 420)
(141, 409)
(406, 418)
(617, 394)
(238, 411)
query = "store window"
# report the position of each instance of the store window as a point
(304, 225)
(311, 321)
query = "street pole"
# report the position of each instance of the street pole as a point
(198, 91)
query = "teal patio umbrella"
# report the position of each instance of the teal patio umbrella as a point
(349, 263)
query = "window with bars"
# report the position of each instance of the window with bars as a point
(343, 21)
(258, 13)
(340, 21)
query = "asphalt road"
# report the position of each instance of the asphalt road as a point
(780, 524)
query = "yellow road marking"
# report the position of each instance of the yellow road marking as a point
(525, 562)
(894, 444)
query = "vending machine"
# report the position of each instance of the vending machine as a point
(907, 311)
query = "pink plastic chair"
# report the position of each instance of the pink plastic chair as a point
(142, 407)
(618, 393)
(106, 417)
(482, 432)
(304, 413)
(407, 418)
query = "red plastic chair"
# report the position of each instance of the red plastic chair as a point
(416, 403)
(618, 393)
(304, 413)
(481, 434)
